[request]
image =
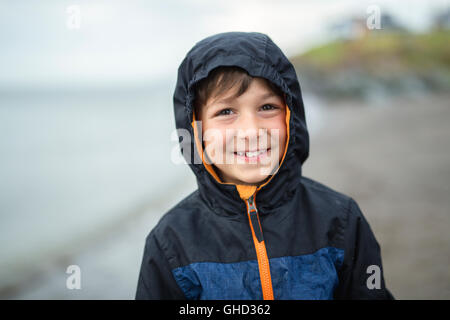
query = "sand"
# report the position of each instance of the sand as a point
(393, 158)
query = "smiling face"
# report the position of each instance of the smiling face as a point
(245, 135)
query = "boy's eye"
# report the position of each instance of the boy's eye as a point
(224, 112)
(268, 107)
(228, 111)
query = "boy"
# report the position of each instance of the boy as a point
(255, 228)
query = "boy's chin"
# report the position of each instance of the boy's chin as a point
(251, 179)
(245, 176)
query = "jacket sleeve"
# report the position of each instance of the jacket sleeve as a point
(156, 281)
(361, 275)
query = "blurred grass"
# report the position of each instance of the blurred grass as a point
(410, 51)
(380, 58)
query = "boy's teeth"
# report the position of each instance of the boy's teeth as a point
(250, 154)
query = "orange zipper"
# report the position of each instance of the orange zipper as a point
(261, 252)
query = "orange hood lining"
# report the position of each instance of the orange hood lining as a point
(245, 191)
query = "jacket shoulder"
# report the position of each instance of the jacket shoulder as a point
(329, 204)
(321, 194)
(178, 219)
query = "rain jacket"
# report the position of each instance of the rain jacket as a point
(290, 238)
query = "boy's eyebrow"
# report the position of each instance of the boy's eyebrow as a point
(229, 99)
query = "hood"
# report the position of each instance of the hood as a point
(258, 54)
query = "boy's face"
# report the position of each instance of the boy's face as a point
(245, 137)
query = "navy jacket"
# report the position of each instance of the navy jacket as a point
(292, 238)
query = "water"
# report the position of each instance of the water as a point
(69, 162)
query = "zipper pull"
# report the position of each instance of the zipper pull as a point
(254, 218)
(251, 204)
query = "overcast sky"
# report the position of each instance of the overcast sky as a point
(133, 41)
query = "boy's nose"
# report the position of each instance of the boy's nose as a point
(248, 130)
(248, 122)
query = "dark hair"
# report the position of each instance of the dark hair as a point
(222, 79)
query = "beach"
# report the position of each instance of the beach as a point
(393, 158)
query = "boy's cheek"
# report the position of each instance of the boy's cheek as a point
(213, 141)
(217, 153)
(211, 152)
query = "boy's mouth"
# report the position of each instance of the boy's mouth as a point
(252, 156)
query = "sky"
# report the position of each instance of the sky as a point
(117, 42)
